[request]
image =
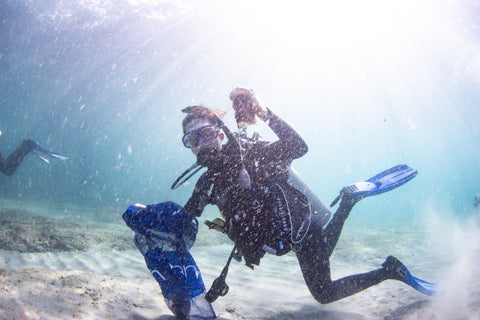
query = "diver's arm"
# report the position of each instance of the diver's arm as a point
(248, 108)
(200, 197)
(193, 205)
(290, 145)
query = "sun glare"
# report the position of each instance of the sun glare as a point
(322, 25)
(330, 37)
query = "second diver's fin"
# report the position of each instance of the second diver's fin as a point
(40, 156)
(380, 183)
(40, 152)
(57, 156)
(401, 273)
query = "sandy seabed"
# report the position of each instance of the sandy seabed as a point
(57, 269)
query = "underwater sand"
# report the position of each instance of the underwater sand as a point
(60, 269)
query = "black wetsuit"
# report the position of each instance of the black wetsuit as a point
(255, 217)
(10, 165)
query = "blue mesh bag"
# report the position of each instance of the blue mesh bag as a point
(164, 233)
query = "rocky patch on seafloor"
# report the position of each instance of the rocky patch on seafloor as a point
(25, 231)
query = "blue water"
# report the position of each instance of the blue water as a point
(367, 86)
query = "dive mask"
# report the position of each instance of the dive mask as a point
(198, 137)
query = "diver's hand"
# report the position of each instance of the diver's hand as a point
(348, 199)
(247, 106)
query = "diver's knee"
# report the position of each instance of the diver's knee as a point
(323, 298)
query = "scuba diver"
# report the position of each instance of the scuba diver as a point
(476, 201)
(248, 180)
(10, 165)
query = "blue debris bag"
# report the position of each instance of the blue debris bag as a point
(164, 233)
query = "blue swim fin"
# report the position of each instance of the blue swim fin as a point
(57, 156)
(380, 183)
(40, 152)
(401, 273)
(40, 156)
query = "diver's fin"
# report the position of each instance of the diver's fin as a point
(39, 151)
(40, 156)
(400, 272)
(380, 183)
(423, 286)
(57, 156)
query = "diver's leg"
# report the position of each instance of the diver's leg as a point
(13, 161)
(313, 258)
(350, 285)
(2, 165)
(314, 261)
(332, 231)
